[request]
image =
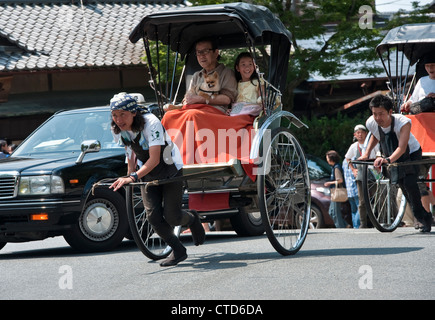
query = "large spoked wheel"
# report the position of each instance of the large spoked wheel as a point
(284, 192)
(143, 234)
(385, 202)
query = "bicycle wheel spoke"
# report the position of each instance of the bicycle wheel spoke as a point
(286, 193)
(384, 206)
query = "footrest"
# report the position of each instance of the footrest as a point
(232, 167)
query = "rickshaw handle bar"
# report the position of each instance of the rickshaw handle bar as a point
(105, 183)
(396, 164)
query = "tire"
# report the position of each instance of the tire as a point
(316, 218)
(284, 192)
(148, 242)
(247, 224)
(102, 224)
(385, 202)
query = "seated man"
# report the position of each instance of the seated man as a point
(207, 54)
(214, 84)
(424, 89)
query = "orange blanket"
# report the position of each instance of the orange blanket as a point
(423, 128)
(206, 135)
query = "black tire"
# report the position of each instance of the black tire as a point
(284, 192)
(385, 202)
(148, 242)
(316, 218)
(247, 224)
(102, 224)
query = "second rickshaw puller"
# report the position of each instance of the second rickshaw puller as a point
(144, 135)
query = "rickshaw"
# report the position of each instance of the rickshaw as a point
(400, 52)
(278, 200)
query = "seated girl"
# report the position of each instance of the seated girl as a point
(248, 100)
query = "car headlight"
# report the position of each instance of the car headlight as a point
(35, 185)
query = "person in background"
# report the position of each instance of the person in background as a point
(4, 149)
(356, 150)
(12, 147)
(333, 159)
(352, 193)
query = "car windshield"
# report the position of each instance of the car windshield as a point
(318, 169)
(66, 131)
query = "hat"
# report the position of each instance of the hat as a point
(139, 97)
(428, 58)
(359, 127)
(123, 101)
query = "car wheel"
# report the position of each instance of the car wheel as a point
(316, 218)
(247, 224)
(102, 224)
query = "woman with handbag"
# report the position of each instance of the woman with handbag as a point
(338, 192)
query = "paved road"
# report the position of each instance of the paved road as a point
(332, 264)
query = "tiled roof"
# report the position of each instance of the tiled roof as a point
(48, 35)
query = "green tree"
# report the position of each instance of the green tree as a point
(344, 31)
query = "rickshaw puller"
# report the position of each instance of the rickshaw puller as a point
(144, 135)
(398, 144)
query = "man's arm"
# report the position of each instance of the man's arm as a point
(405, 132)
(219, 100)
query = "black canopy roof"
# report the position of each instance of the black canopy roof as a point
(415, 40)
(228, 22)
(231, 24)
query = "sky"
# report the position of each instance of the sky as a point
(394, 5)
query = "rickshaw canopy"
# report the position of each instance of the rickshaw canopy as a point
(414, 40)
(232, 24)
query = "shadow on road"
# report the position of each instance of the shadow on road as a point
(357, 251)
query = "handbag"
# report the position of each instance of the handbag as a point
(338, 194)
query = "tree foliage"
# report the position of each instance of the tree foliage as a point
(343, 33)
(325, 133)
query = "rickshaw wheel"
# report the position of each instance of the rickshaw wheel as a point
(385, 202)
(284, 192)
(151, 245)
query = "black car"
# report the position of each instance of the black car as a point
(46, 184)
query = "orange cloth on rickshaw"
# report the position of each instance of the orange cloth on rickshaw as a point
(203, 135)
(206, 135)
(423, 128)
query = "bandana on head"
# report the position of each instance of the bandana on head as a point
(123, 102)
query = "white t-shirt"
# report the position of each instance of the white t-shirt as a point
(153, 134)
(352, 154)
(399, 122)
(423, 87)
